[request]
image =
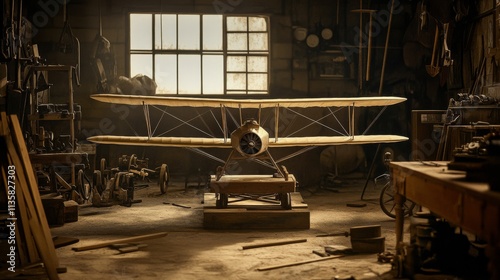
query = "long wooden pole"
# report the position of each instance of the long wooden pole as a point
(298, 263)
(360, 54)
(385, 50)
(369, 55)
(273, 244)
(117, 241)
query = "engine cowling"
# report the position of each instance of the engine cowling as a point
(250, 139)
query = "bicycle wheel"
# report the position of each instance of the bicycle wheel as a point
(387, 204)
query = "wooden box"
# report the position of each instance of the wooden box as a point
(70, 211)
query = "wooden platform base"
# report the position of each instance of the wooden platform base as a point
(250, 214)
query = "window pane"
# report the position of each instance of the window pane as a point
(166, 73)
(189, 74)
(212, 32)
(236, 63)
(258, 41)
(165, 32)
(257, 24)
(141, 34)
(236, 23)
(257, 81)
(236, 81)
(213, 74)
(257, 64)
(189, 32)
(236, 41)
(141, 64)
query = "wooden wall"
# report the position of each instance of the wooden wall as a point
(292, 62)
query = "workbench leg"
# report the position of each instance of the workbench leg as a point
(399, 201)
(493, 254)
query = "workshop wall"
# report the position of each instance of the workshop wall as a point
(332, 67)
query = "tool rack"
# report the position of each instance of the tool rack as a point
(37, 117)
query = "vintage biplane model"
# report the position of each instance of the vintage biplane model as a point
(250, 140)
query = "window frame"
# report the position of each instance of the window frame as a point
(225, 53)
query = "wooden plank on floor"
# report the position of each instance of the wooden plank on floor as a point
(249, 215)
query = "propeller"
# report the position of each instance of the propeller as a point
(250, 143)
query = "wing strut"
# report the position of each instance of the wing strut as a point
(148, 120)
(224, 121)
(241, 115)
(351, 120)
(276, 121)
(301, 151)
(260, 112)
(205, 154)
(374, 120)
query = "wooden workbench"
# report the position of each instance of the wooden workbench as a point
(469, 205)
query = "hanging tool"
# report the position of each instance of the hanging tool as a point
(446, 54)
(69, 43)
(433, 69)
(369, 47)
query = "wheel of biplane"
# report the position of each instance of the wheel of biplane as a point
(163, 178)
(286, 200)
(222, 200)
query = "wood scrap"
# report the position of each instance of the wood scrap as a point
(131, 248)
(35, 233)
(359, 205)
(61, 241)
(273, 244)
(128, 249)
(321, 254)
(297, 263)
(122, 240)
(178, 205)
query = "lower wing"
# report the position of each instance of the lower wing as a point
(198, 142)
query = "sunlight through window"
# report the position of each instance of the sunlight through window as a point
(188, 54)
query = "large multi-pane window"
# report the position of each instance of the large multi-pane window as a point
(201, 54)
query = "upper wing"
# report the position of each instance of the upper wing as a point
(220, 143)
(247, 103)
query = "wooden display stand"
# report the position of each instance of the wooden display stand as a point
(245, 210)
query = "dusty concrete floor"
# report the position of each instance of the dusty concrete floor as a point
(191, 252)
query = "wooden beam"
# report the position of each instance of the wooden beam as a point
(298, 263)
(273, 244)
(117, 241)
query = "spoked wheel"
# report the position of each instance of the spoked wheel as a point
(164, 178)
(286, 200)
(387, 204)
(222, 200)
